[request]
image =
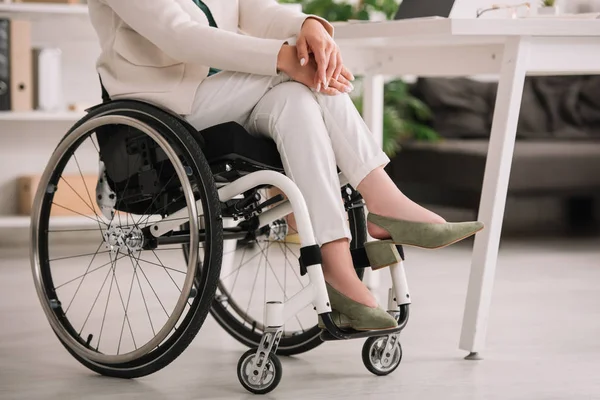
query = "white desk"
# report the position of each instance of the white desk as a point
(463, 47)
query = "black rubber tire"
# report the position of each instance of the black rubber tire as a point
(208, 275)
(289, 345)
(366, 357)
(277, 367)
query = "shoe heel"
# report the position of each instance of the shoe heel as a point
(382, 253)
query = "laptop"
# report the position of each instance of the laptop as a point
(424, 8)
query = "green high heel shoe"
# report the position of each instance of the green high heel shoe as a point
(361, 317)
(382, 253)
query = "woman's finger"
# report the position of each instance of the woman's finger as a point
(332, 66)
(347, 74)
(322, 59)
(330, 91)
(344, 81)
(339, 65)
(317, 81)
(339, 86)
(302, 50)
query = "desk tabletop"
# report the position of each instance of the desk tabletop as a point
(500, 28)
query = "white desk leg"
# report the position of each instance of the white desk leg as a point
(493, 197)
(373, 116)
(373, 105)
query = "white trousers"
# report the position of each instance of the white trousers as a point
(314, 133)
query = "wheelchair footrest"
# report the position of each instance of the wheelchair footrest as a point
(347, 334)
(332, 332)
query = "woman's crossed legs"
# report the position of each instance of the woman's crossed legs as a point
(315, 134)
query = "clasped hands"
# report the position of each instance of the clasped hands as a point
(316, 61)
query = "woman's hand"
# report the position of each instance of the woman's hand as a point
(315, 39)
(287, 61)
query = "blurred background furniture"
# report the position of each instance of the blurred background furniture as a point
(557, 153)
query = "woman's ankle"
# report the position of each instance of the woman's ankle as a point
(339, 272)
(383, 197)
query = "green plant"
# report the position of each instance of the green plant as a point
(333, 10)
(548, 3)
(405, 117)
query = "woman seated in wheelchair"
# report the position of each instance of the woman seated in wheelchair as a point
(278, 73)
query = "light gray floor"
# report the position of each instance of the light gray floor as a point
(543, 341)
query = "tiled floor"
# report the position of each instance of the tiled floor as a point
(543, 340)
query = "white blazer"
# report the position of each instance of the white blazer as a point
(160, 50)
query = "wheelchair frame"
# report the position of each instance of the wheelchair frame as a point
(278, 313)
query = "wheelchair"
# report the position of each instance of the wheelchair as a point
(182, 223)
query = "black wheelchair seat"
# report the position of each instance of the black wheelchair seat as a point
(231, 151)
(136, 169)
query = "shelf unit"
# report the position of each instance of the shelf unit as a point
(24, 222)
(40, 116)
(61, 25)
(42, 10)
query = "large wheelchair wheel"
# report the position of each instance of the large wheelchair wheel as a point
(122, 300)
(263, 267)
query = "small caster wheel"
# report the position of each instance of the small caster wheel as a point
(270, 378)
(379, 360)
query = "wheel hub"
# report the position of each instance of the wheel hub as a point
(278, 230)
(124, 240)
(388, 352)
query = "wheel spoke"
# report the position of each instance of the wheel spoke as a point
(80, 214)
(95, 301)
(91, 137)
(137, 265)
(293, 269)
(112, 279)
(163, 208)
(127, 308)
(83, 278)
(82, 275)
(167, 271)
(86, 189)
(122, 301)
(162, 266)
(79, 255)
(74, 230)
(85, 202)
(241, 265)
(273, 272)
(154, 291)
